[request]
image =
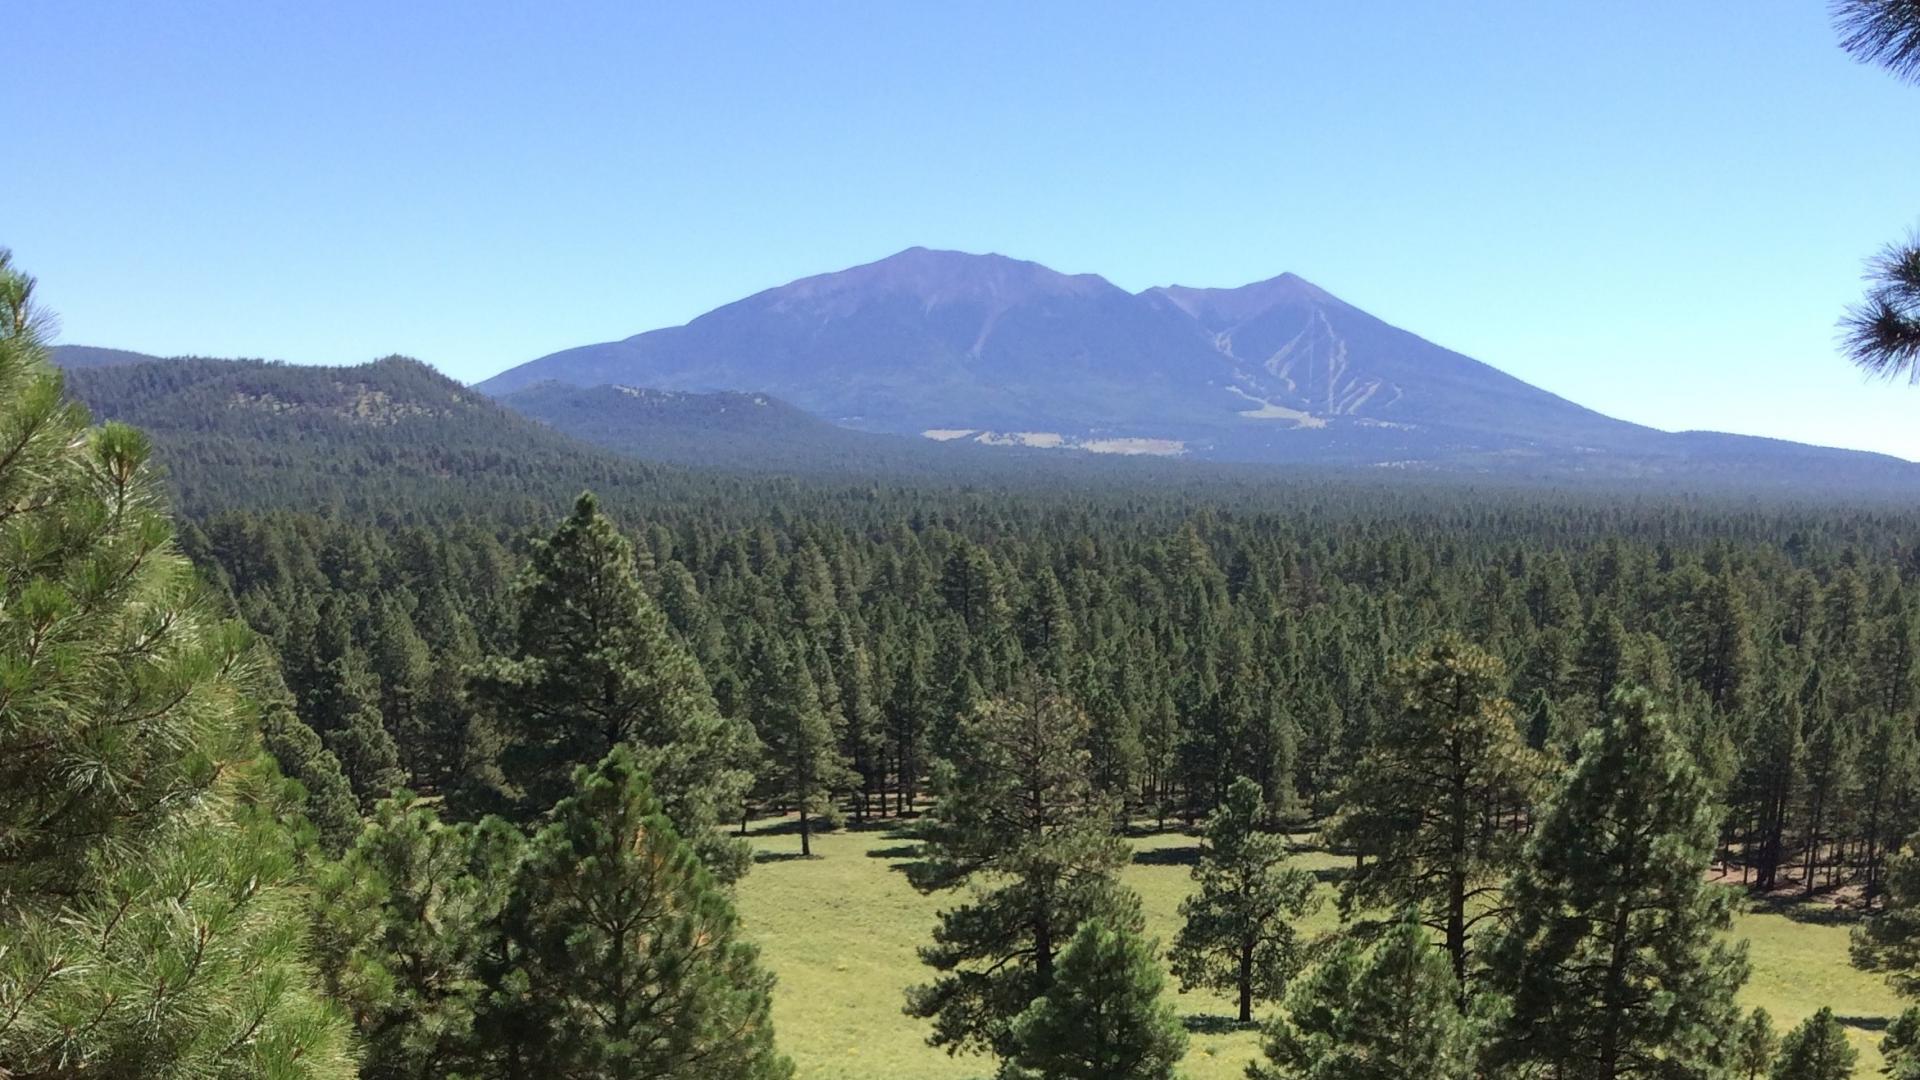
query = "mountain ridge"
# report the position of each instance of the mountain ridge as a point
(926, 339)
(365, 435)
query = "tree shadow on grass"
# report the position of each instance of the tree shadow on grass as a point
(903, 858)
(776, 856)
(781, 827)
(1140, 830)
(1185, 855)
(889, 825)
(1332, 875)
(1865, 1023)
(1814, 912)
(1214, 1024)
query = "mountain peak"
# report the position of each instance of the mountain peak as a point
(937, 277)
(1218, 309)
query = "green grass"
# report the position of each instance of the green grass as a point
(840, 931)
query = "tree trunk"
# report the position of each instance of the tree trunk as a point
(806, 834)
(1246, 982)
(1460, 843)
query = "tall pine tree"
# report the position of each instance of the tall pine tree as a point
(1390, 1013)
(593, 666)
(620, 956)
(804, 765)
(1239, 935)
(402, 924)
(1016, 809)
(1816, 1050)
(150, 911)
(1890, 941)
(1434, 811)
(1613, 963)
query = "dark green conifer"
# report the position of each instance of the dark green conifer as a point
(1434, 811)
(1238, 935)
(594, 666)
(1816, 1050)
(1890, 941)
(1900, 1047)
(1104, 1017)
(329, 803)
(620, 956)
(401, 925)
(1382, 1015)
(1613, 963)
(1018, 812)
(1755, 1047)
(804, 765)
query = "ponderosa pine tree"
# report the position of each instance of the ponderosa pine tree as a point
(1832, 760)
(804, 765)
(340, 700)
(620, 956)
(1104, 1017)
(1889, 770)
(1108, 685)
(328, 803)
(1755, 1047)
(863, 734)
(1435, 810)
(399, 658)
(150, 912)
(1046, 629)
(1613, 962)
(1769, 782)
(1816, 1050)
(1238, 933)
(1900, 1048)
(594, 666)
(401, 926)
(1380, 1015)
(1016, 810)
(910, 705)
(1889, 942)
(368, 757)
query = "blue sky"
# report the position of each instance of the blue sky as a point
(1657, 209)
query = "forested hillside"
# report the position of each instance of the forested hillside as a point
(382, 438)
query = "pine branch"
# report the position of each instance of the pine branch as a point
(1882, 333)
(1883, 32)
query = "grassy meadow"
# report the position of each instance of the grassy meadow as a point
(840, 931)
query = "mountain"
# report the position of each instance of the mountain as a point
(945, 340)
(986, 348)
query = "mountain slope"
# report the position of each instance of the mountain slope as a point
(927, 339)
(389, 438)
(1299, 349)
(75, 357)
(723, 429)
